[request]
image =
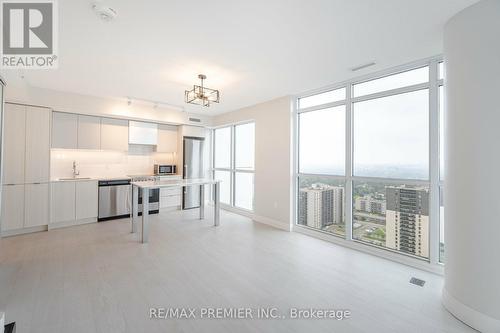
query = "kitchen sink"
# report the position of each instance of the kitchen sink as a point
(75, 178)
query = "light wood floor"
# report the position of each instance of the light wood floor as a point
(98, 278)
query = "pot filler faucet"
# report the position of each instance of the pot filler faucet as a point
(75, 172)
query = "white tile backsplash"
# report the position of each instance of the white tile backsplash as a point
(106, 164)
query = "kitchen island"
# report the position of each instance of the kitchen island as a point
(146, 186)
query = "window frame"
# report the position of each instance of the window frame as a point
(433, 182)
(232, 169)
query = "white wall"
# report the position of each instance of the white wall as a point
(273, 158)
(84, 104)
(472, 188)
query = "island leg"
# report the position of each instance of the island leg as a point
(202, 202)
(145, 215)
(135, 208)
(216, 204)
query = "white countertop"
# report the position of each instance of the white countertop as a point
(69, 179)
(82, 178)
(175, 183)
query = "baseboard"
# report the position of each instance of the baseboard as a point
(469, 316)
(257, 218)
(72, 223)
(8, 233)
(271, 222)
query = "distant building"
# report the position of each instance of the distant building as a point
(407, 219)
(321, 205)
(370, 205)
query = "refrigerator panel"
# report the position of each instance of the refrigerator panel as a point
(193, 168)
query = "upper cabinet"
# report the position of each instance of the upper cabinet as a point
(89, 132)
(72, 131)
(14, 143)
(167, 139)
(37, 145)
(64, 130)
(114, 134)
(195, 131)
(141, 133)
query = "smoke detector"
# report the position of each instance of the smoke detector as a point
(104, 12)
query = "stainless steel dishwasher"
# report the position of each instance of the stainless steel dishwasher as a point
(114, 199)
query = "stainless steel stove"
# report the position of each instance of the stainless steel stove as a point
(154, 195)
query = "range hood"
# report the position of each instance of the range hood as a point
(142, 133)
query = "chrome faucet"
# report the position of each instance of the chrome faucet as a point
(75, 172)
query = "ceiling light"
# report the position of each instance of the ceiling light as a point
(106, 13)
(200, 95)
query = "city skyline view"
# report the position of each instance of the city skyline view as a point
(385, 215)
(389, 134)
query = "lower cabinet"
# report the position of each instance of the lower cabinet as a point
(36, 205)
(170, 198)
(86, 199)
(25, 206)
(62, 201)
(74, 202)
(66, 203)
(170, 201)
(12, 207)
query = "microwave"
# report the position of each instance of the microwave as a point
(165, 169)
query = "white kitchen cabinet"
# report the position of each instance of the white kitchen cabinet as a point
(196, 131)
(64, 130)
(170, 201)
(62, 201)
(37, 145)
(14, 143)
(89, 132)
(86, 199)
(141, 133)
(114, 134)
(170, 197)
(166, 191)
(36, 207)
(167, 139)
(12, 207)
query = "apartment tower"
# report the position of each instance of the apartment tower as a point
(407, 219)
(321, 205)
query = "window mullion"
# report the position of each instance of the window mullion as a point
(233, 164)
(348, 166)
(434, 164)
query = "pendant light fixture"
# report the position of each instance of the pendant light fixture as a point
(201, 95)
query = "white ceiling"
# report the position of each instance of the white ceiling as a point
(252, 51)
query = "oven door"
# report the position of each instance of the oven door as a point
(154, 201)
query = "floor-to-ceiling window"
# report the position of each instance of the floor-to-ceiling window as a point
(369, 160)
(321, 161)
(234, 164)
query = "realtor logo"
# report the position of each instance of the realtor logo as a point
(29, 34)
